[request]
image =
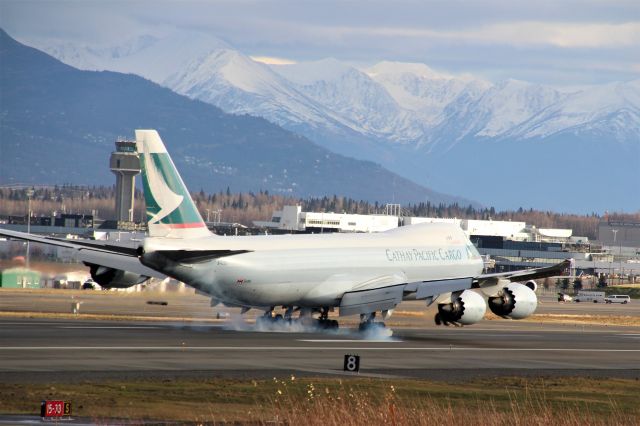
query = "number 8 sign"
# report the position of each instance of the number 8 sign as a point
(352, 363)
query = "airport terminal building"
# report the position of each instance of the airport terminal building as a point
(510, 245)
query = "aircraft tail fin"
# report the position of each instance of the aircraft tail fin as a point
(171, 212)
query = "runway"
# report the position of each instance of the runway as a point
(184, 338)
(37, 349)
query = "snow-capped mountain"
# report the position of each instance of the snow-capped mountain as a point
(150, 56)
(420, 89)
(360, 103)
(408, 103)
(611, 110)
(236, 83)
(510, 103)
(416, 121)
(481, 112)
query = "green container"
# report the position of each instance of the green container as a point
(19, 278)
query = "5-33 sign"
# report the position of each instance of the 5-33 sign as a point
(55, 409)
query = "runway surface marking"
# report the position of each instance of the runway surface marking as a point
(52, 324)
(300, 348)
(349, 341)
(630, 336)
(109, 326)
(506, 334)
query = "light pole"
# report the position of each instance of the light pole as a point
(615, 233)
(30, 193)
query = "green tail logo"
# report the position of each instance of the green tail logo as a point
(170, 209)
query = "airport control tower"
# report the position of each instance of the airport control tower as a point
(125, 163)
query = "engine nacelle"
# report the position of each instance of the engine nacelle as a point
(515, 301)
(468, 308)
(532, 285)
(115, 278)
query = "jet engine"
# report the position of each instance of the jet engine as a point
(115, 278)
(468, 308)
(514, 301)
(532, 285)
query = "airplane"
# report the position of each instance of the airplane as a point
(309, 276)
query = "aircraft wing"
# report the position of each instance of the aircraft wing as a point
(386, 297)
(103, 253)
(525, 274)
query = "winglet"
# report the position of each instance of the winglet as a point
(171, 212)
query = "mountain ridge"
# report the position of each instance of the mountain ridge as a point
(59, 124)
(413, 119)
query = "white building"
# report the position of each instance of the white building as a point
(292, 218)
(494, 228)
(410, 220)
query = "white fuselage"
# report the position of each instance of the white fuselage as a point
(316, 270)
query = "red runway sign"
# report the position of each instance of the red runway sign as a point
(55, 409)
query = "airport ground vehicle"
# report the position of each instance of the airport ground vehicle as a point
(590, 296)
(618, 298)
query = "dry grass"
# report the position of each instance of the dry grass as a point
(410, 314)
(351, 401)
(355, 407)
(624, 320)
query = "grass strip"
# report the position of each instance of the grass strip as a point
(291, 400)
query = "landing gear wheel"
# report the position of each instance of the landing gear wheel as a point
(327, 324)
(374, 330)
(370, 326)
(268, 319)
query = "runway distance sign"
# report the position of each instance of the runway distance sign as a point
(55, 409)
(352, 363)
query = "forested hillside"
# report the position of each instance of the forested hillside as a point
(246, 207)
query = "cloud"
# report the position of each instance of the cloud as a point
(549, 40)
(560, 34)
(518, 34)
(269, 60)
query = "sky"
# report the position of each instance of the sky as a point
(559, 42)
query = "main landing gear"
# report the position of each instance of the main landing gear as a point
(439, 320)
(305, 319)
(369, 325)
(324, 322)
(317, 319)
